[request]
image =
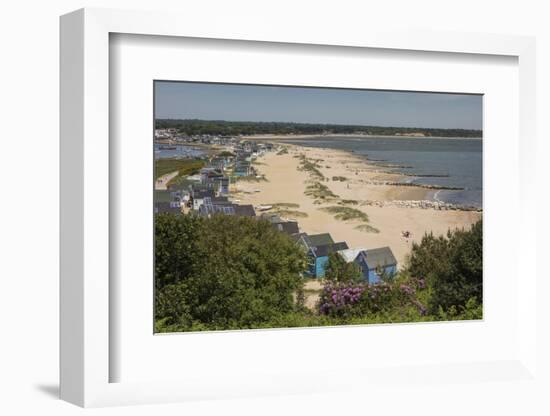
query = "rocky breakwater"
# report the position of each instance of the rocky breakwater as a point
(423, 204)
(414, 185)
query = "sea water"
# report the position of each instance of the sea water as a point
(455, 162)
(176, 151)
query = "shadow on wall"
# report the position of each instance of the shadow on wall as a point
(51, 390)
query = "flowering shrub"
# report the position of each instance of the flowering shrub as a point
(362, 299)
(337, 300)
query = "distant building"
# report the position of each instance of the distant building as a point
(242, 169)
(220, 162)
(215, 200)
(164, 133)
(245, 210)
(179, 196)
(210, 173)
(226, 208)
(215, 205)
(166, 208)
(213, 178)
(198, 197)
(221, 185)
(172, 198)
(194, 178)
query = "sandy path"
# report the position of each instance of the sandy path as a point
(287, 184)
(162, 182)
(312, 293)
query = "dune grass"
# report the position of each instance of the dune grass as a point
(346, 213)
(287, 209)
(348, 202)
(311, 167)
(251, 178)
(284, 205)
(320, 193)
(289, 213)
(367, 228)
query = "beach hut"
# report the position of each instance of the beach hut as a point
(311, 240)
(287, 227)
(357, 256)
(215, 205)
(198, 197)
(318, 257)
(220, 205)
(242, 169)
(166, 208)
(222, 185)
(373, 263)
(244, 210)
(379, 262)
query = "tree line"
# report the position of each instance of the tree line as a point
(194, 127)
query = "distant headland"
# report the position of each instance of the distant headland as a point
(192, 127)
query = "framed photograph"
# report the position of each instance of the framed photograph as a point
(332, 216)
(238, 211)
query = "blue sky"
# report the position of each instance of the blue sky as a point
(235, 102)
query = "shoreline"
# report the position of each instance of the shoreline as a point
(329, 136)
(391, 178)
(352, 185)
(399, 188)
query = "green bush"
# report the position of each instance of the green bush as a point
(224, 272)
(338, 270)
(176, 248)
(452, 266)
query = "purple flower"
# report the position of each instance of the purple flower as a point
(407, 289)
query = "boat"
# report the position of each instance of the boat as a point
(264, 207)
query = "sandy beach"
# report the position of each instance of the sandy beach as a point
(286, 183)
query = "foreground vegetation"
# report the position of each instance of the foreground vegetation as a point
(230, 272)
(223, 272)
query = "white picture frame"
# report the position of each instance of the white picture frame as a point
(86, 355)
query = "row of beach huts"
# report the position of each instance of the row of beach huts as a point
(208, 194)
